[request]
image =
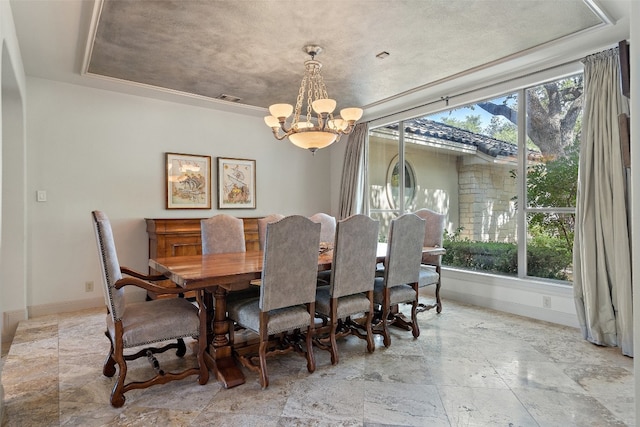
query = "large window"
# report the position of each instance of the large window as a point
(496, 178)
(553, 124)
(429, 177)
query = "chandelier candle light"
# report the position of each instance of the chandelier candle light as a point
(307, 131)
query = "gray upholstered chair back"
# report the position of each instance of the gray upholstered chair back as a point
(114, 298)
(404, 253)
(222, 234)
(290, 264)
(354, 256)
(327, 226)
(262, 227)
(434, 230)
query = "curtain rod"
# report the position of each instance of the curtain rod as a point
(449, 97)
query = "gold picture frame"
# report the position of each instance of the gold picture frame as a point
(236, 183)
(188, 181)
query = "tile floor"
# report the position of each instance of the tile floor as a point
(470, 367)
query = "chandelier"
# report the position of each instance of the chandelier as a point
(305, 130)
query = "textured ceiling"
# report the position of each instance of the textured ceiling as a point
(252, 49)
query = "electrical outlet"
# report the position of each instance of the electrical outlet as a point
(88, 286)
(546, 301)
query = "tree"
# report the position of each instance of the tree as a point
(471, 123)
(553, 110)
(502, 130)
(555, 183)
(498, 128)
(553, 126)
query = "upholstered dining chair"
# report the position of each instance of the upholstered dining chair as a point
(431, 267)
(350, 289)
(222, 234)
(262, 227)
(144, 323)
(327, 226)
(399, 282)
(287, 294)
(327, 237)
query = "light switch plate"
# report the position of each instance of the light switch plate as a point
(41, 195)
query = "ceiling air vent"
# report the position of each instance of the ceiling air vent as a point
(230, 98)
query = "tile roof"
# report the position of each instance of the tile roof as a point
(484, 144)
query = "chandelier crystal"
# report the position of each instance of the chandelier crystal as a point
(306, 130)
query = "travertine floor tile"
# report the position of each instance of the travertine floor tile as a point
(469, 367)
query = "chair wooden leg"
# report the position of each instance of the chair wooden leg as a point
(415, 329)
(332, 339)
(332, 332)
(117, 394)
(109, 367)
(371, 346)
(438, 301)
(262, 354)
(182, 348)
(311, 360)
(369, 319)
(385, 316)
(311, 331)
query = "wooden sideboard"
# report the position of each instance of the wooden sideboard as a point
(169, 237)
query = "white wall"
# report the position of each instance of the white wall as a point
(635, 186)
(91, 149)
(12, 167)
(13, 236)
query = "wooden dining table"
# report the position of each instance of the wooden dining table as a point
(216, 275)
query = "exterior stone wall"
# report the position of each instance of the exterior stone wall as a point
(487, 206)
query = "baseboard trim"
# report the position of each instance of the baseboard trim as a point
(10, 320)
(64, 307)
(2, 420)
(543, 314)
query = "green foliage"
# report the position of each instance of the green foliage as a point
(471, 123)
(493, 257)
(502, 130)
(554, 184)
(554, 124)
(547, 256)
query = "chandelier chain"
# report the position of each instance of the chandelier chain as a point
(309, 99)
(322, 86)
(296, 118)
(316, 89)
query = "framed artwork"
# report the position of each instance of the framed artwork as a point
(188, 181)
(236, 183)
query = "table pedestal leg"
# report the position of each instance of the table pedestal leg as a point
(208, 303)
(229, 374)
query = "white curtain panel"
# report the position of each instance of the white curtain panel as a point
(602, 264)
(352, 189)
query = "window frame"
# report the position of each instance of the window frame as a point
(532, 80)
